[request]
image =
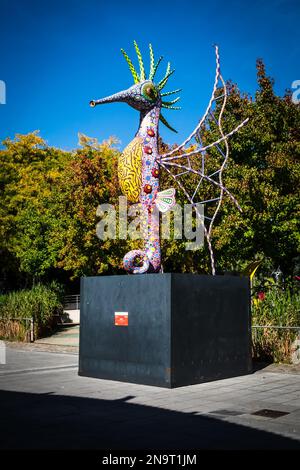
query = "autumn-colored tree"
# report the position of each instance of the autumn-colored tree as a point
(90, 179)
(49, 199)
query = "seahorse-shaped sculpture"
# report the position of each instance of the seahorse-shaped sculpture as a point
(138, 167)
(140, 163)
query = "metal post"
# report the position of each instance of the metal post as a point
(31, 330)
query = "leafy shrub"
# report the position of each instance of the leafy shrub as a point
(40, 303)
(277, 307)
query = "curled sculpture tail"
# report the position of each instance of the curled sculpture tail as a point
(136, 262)
(140, 262)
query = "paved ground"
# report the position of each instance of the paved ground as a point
(45, 404)
(65, 336)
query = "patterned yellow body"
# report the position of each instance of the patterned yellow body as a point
(130, 170)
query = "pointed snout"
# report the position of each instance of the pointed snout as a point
(121, 96)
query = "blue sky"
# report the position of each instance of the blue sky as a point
(56, 55)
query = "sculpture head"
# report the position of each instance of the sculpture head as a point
(145, 94)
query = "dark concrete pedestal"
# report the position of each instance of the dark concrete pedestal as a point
(182, 328)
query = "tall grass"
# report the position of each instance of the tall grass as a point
(40, 303)
(278, 308)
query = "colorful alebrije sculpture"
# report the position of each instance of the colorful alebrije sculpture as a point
(140, 164)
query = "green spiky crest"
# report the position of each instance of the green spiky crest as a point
(153, 69)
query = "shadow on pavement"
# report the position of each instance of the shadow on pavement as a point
(259, 365)
(46, 421)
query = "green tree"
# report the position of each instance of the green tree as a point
(264, 174)
(29, 172)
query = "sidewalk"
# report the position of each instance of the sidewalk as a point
(65, 336)
(45, 404)
(53, 346)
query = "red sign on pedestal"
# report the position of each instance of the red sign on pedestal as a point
(121, 318)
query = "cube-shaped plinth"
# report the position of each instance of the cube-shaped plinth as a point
(167, 330)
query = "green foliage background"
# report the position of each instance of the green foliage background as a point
(39, 303)
(49, 199)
